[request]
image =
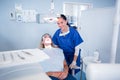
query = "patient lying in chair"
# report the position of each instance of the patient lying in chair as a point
(56, 59)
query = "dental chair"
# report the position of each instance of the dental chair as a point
(103, 71)
(80, 73)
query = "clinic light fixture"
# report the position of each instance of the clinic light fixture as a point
(51, 16)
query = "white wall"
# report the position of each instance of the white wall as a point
(97, 29)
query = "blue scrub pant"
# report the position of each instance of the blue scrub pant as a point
(69, 58)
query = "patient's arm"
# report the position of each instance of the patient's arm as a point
(60, 74)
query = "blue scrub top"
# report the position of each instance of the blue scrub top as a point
(67, 42)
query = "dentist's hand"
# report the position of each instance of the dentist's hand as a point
(73, 64)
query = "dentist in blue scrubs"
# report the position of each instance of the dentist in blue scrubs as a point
(68, 39)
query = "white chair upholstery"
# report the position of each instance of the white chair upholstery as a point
(103, 71)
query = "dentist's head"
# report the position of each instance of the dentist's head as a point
(62, 22)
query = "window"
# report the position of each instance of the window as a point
(73, 11)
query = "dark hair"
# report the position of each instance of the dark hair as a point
(65, 18)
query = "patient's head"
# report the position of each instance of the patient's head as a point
(46, 41)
